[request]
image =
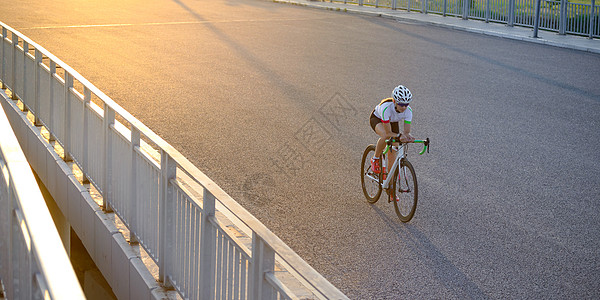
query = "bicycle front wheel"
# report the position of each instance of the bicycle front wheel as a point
(370, 181)
(405, 191)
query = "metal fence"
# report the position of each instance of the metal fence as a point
(139, 176)
(561, 16)
(33, 260)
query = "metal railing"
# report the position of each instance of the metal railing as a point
(33, 260)
(141, 179)
(561, 16)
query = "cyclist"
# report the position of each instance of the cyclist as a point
(384, 121)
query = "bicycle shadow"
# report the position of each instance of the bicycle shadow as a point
(446, 272)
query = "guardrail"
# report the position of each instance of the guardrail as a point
(33, 260)
(143, 180)
(560, 16)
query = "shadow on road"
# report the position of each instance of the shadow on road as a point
(447, 274)
(549, 81)
(277, 81)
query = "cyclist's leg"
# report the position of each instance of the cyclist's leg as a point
(379, 147)
(380, 130)
(392, 153)
(377, 126)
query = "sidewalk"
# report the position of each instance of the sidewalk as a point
(494, 29)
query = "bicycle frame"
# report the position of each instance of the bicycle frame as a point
(402, 150)
(404, 194)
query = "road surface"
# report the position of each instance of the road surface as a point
(272, 102)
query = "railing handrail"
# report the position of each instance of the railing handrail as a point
(309, 274)
(44, 241)
(491, 12)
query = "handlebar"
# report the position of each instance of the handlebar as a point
(425, 145)
(389, 142)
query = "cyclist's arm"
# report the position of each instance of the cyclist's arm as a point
(406, 136)
(385, 111)
(387, 127)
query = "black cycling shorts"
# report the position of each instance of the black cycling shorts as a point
(374, 120)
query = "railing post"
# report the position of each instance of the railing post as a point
(37, 104)
(135, 144)
(445, 7)
(592, 17)
(466, 9)
(487, 11)
(166, 223)
(263, 261)
(409, 5)
(67, 116)
(536, 22)
(51, 117)
(511, 12)
(394, 4)
(109, 121)
(360, 2)
(208, 236)
(25, 96)
(3, 74)
(562, 25)
(15, 41)
(87, 98)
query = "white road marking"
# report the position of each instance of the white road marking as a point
(169, 23)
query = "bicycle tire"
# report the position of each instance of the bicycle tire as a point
(405, 191)
(371, 188)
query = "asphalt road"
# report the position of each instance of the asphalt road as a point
(272, 102)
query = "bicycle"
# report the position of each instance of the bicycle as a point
(404, 189)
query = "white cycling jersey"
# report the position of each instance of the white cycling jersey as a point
(386, 112)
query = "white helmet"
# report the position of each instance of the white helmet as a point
(402, 95)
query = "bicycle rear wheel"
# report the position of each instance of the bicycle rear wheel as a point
(405, 191)
(369, 180)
